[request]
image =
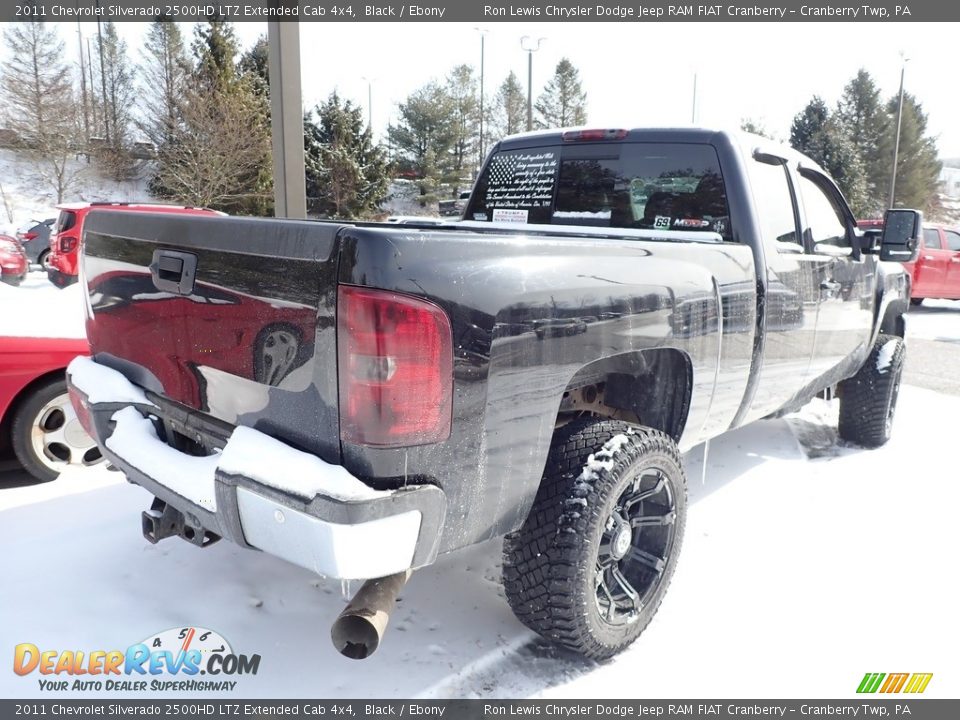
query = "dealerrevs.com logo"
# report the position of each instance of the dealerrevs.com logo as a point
(172, 660)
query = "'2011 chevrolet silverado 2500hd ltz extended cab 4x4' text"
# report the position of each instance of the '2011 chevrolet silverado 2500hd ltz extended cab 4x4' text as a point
(358, 398)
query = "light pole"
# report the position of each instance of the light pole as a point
(369, 102)
(483, 36)
(896, 142)
(527, 43)
(693, 111)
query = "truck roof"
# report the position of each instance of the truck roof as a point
(680, 133)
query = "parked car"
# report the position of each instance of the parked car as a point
(13, 261)
(454, 207)
(62, 268)
(35, 238)
(559, 327)
(936, 271)
(413, 428)
(36, 416)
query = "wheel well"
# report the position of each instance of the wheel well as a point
(648, 387)
(893, 323)
(18, 400)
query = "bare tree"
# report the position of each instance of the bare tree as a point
(42, 108)
(223, 142)
(164, 70)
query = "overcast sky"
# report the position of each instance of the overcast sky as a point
(635, 74)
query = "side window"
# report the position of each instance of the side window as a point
(931, 239)
(825, 223)
(771, 192)
(953, 240)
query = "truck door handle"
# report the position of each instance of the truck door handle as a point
(928, 257)
(173, 271)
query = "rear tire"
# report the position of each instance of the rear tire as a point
(868, 400)
(590, 565)
(44, 260)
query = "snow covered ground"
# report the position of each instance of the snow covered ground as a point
(26, 197)
(805, 565)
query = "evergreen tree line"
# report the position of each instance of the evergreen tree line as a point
(854, 142)
(437, 137)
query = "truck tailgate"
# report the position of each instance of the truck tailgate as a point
(234, 317)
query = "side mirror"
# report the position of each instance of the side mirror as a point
(901, 235)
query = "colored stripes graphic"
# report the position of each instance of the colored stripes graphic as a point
(894, 682)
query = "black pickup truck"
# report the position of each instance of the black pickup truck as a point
(359, 398)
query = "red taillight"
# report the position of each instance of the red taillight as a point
(396, 369)
(607, 134)
(79, 402)
(68, 243)
(26, 236)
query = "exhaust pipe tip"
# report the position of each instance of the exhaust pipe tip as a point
(359, 630)
(355, 636)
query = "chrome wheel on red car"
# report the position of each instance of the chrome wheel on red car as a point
(48, 436)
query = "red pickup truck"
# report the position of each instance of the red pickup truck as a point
(936, 271)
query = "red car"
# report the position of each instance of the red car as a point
(13, 261)
(936, 271)
(36, 416)
(64, 256)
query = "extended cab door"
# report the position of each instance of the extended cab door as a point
(791, 296)
(846, 285)
(951, 285)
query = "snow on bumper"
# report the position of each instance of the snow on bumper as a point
(260, 492)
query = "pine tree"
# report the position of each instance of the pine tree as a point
(215, 50)
(118, 88)
(424, 136)
(563, 102)
(822, 139)
(918, 168)
(164, 71)
(42, 111)
(220, 154)
(863, 121)
(808, 124)
(462, 90)
(346, 170)
(510, 107)
(256, 62)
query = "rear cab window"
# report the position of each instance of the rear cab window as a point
(656, 186)
(65, 221)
